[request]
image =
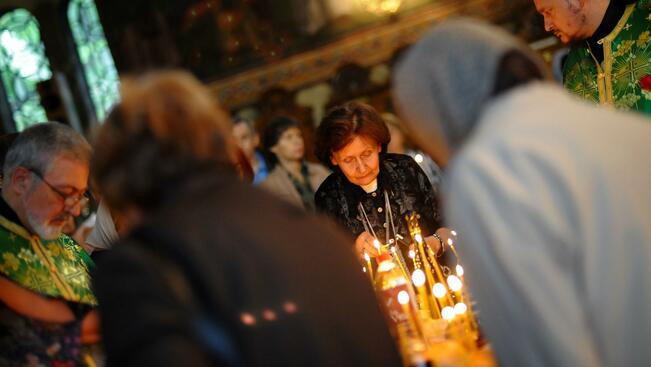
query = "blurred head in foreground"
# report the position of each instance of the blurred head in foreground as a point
(448, 77)
(166, 129)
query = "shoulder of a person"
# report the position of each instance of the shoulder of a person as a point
(318, 171)
(273, 177)
(332, 182)
(393, 160)
(317, 167)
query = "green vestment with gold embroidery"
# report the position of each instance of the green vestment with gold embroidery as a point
(627, 59)
(55, 268)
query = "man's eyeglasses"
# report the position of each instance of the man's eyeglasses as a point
(69, 200)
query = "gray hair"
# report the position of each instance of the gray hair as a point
(36, 146)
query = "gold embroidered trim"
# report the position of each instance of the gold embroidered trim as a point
(15, 228)
(60, 283)
(35, 242)
(608, 58)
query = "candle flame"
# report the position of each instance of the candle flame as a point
(439, 290)
(418, 277)
(403, 297)
(418, 238)
(454, 283)
(460, 270)
(366, 257)
(412, 254)
(460, 308)
(448, 313)
(454, 233)
(376, 244)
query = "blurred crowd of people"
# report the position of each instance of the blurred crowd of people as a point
(207, 242)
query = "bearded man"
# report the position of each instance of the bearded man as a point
(46, 302)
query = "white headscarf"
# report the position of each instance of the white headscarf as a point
(104, 234)
(446, 78)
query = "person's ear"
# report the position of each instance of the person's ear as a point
(20, 180)
(333, 160)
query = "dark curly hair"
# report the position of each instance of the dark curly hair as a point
(166, 128)
(342, 123)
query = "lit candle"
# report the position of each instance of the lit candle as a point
(459, 269)
(435, 309)
(404, 300)
(412, 256)
(369, 266)
(418, 277)
(448, 313)
(376, 244)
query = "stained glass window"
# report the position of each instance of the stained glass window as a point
(22, 65)
(94, 54)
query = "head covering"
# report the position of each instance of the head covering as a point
(446, 78)
(104, 234)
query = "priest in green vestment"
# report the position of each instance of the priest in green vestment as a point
(46, 301)
(610, 57)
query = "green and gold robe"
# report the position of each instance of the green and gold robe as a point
(627, 61)
(58, 268)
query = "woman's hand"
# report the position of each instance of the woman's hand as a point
(364, 244)
(446, 236)
(434, 244)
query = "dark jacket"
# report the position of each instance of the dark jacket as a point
(406, 184)
(226, 274)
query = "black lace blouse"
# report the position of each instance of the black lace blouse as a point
(406, 184)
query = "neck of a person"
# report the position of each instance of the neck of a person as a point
(253, 160)
(370, 187)
(292, 166)
(14, 202)
(594, 16)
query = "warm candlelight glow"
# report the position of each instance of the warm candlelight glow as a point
(364, 269)
(376, 244)
(403, 297)
(460, 308)
(454, 283)
(412, 254)
(418, 277)
(448, 313)
(459, 270)
(366, 257)
(439, 290)
(454, 233)
(418, 238)
(450, 242)
(380, 7)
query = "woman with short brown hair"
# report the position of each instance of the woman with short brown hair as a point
(352, 139)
